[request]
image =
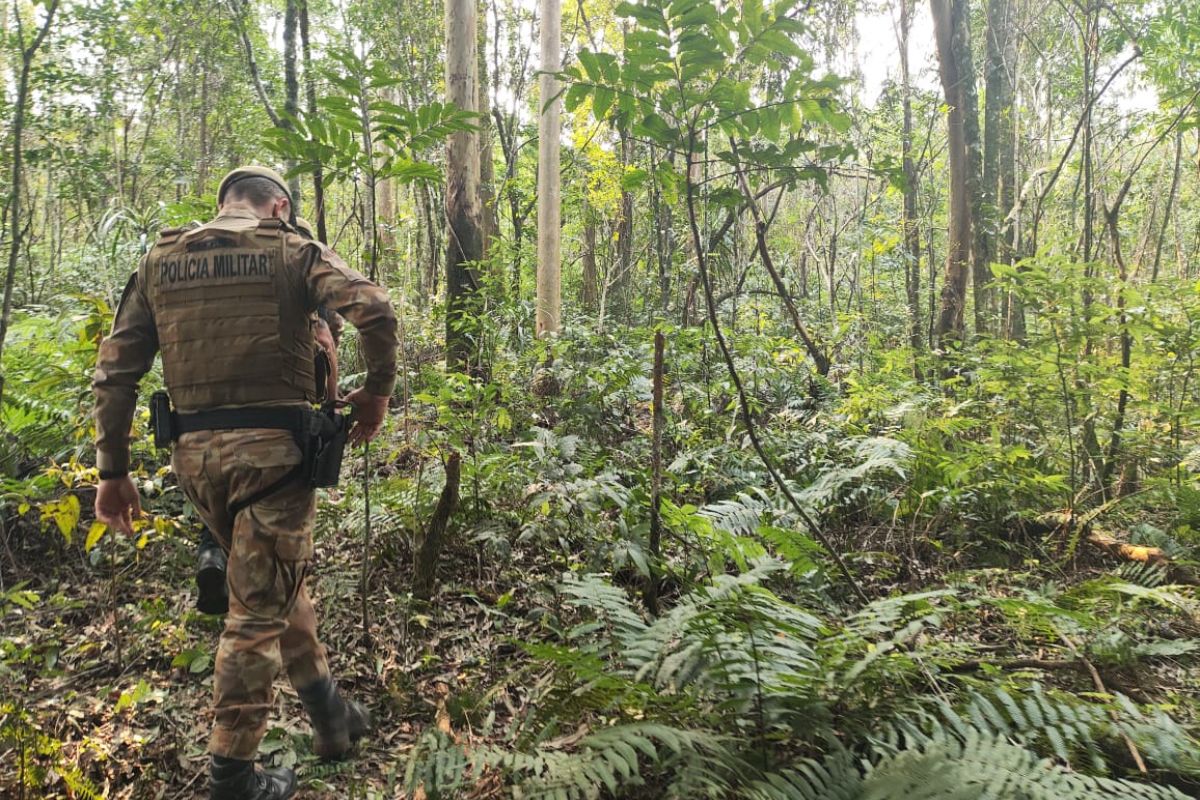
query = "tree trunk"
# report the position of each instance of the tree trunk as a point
(370, 222)
(950, 25)
(910, 224)
(549, 267)
(1162, 236)
(998, 110)
(590, 290)
(625, 234)
(658, 419)
(15, 223)
(310, 92)
(291, 83)
(464, 248)
(487, 167)
(465, 241)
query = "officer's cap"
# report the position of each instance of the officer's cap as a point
(241, 173)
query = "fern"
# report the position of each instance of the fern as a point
(611, 758)
(978, 766)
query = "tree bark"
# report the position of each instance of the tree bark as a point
(370, 222)
(464, 248)
(625, 232)
(589, 296)
(950, 24)
(310, 91)
(291, 85)
(656, 468)
(549, 268)
(998, 178)
(487, 167)
(1162, 236)
(465, 239)
(241, 7)
(911, 227)
(16, 231)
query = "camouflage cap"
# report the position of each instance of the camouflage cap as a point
(256, 172)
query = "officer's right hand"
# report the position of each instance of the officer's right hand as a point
(117, 503)
(369, 411)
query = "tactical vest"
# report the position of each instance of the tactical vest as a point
(229, 304)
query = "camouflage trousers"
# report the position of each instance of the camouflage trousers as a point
(271, 623)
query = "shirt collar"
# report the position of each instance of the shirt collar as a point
(237, 211)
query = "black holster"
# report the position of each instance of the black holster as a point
(161, 420)
(323, 446)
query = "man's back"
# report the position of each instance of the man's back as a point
(230, 304)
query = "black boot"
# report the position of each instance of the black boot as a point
(213, 594)
(337, 723)
(243, 780)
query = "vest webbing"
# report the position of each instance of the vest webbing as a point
(229, 305)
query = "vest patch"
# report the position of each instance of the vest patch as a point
(214, 267)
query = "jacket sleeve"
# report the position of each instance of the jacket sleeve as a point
(333, 284)
(125, 356)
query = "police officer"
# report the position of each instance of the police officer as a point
(212, 595)
(229, 305)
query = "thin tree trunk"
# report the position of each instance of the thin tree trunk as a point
(625, 228)
(310, 91)
(656, 459)
(948, 25)
(318, 174)
(911, 226)
(590, 289)
(487, 167)
(1006, 144)
(815, 352)
(998, 111)
(370, 218)
(549, 268)
(16, 225)
(291, 84)
(464, 248)
(241, 7)
(1162, 236)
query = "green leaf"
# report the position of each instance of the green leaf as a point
(633, 179)
(575, 96)
(650, 17)
(602, 100)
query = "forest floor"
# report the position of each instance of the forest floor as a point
(120, 673)
(125, 687)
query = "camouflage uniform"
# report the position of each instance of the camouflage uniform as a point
(223, 348)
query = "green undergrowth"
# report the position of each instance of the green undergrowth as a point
(968, 674)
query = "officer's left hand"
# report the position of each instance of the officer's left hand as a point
(369, 411)
(118, 504)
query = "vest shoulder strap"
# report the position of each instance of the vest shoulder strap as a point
(169, 235)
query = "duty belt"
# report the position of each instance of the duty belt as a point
(169, 425)
(320, 436)
(293, 419)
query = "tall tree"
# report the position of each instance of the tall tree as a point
(291, 82)
(999, 144)
(549, 267)
(954, 60)
(464, 248)
(911, 227)
(15, 224)
(310, 98)
(487, 167)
